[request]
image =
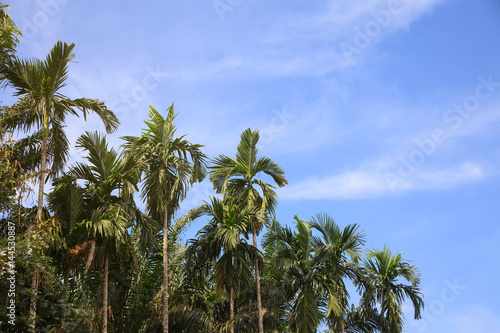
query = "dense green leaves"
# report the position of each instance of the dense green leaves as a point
(41, 106)
(308, 266)
(8, 34)
(315, 268)
(394, 280)
(239, 179)
(170, 165)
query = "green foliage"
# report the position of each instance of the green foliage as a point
(16, 170)
(220, 243)
(393, 280)
(239, 177)
(41, 108)
(8, 34)
(29, 256)
(10, 174)
(170, 164)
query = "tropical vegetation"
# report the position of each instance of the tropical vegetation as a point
(103, 246)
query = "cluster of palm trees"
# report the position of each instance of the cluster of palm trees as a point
(122, 262)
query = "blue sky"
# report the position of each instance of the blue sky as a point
(382, 113)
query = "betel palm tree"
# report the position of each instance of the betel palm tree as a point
(314, 267)
(344, 252)
(221, 241)
(303, 279)
(239, 178)
(171, 165)
(388, 273)
(43, 108)
(110, 181)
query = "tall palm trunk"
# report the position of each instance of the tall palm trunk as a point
(342, 325)
(231, 308)
(42, 179)
(257, 284)
(36, 276)
(105, 295)
(43, 166)
(165, 268)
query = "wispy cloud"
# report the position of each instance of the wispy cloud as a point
(479, 318)
(375, 181)
(303, 42)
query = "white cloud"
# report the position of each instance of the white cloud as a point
(477, 319)
(304, 42)
(379, 179)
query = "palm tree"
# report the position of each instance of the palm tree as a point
(170, 164)
(239, 178)
(42, 107)
(221, 241)
(387, 273)
(314, 267)
(344, 251)
(66, 201)
(110, 181)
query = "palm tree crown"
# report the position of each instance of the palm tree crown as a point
(387, 272)
(171, 164)
(238, 177)
(314, 268)
(42, 106)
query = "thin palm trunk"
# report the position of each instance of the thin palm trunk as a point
(342, 325)
(42, 180)
(43, 166)
(36, 275)
(257, 285)
(165, 268)
(231, 308)
(105, 295)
